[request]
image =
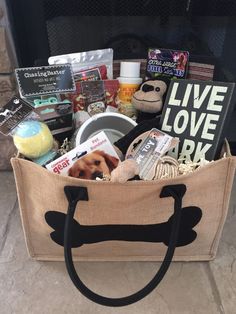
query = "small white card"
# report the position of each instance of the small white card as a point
(152, 148)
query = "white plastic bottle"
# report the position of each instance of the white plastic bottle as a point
(129, 82)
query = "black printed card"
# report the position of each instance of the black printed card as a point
(15, 111)
(166, 62)
(45, 80)
(197, 112)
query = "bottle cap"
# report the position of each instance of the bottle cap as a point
(129, 69)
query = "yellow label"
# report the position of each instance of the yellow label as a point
(126, 92)
(127, 109)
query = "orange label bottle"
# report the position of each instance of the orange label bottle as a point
(129, 82)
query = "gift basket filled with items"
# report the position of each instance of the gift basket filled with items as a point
(121, 160)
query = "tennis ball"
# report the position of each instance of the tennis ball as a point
(32, 138)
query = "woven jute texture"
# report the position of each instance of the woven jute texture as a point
(135, 202)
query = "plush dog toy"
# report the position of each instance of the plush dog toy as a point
(148, 100)
(127, 170)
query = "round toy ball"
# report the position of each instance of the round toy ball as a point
(33, 139)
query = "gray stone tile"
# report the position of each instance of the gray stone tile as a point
(7, 204)
(224, 266)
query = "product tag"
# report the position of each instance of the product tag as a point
(88, 75)
(167, 62)
(45, 80)
(15, 111)
(152, 148)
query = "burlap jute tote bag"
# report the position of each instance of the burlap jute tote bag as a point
(180, 218)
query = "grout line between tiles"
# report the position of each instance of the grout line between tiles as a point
(7, 226)
(214, 288)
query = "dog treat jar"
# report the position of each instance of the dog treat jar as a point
(129, 82)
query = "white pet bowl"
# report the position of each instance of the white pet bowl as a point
(115, 125)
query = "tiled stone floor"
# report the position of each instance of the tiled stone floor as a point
(30, 287)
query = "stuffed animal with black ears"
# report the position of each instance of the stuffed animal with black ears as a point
(148, 100)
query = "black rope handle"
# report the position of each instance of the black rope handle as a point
(76, 194)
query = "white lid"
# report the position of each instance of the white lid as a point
(130, 80)
(129, 69)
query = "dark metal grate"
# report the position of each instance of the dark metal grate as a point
(130, 27)
(203, 27)
(163, 8)
(107, 7)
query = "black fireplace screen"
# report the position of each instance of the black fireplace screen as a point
(206, 28)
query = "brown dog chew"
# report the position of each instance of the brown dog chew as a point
(149, 97)
(92, 165)
(126, 170)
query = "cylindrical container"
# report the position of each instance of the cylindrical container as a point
(115, 125)
(129, 82)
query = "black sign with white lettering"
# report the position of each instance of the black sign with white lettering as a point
(45, 80)
(11, 114)
(197, 112)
